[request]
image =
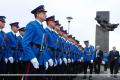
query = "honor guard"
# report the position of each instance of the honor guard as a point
(21, 64)
(3, 48)
(56, 52)
(13, 49)
(59, 48)
(50, 21)
(34, 44)
(20, 37)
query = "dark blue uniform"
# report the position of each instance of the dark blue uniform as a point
(114, 57)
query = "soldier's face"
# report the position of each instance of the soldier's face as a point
(42, 16)
(60, 33)
(57, 28)
(2, 24)
(51, 24)
(14, 29)
(65, 36)
(75, 42)
(21, 33)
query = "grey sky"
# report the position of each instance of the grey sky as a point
(83, 12)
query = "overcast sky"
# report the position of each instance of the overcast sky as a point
(83, 13)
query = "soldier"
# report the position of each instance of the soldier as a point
(20, 37)
(98, 59)
(13, 50)
(69, 55)
(65, 51)
(79, 56)
(71, 65)
(57, 48)
(81, 59)
(50, 42)
(63, 60)
(61, 44)
(3, 48)
(88, 57)
(114, 57)
(34, 44)
(56, 33)
(21, 64)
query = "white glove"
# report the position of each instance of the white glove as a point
(20, 58)
(81, 58)
(69, 60)
(50, 61)
(65, 60)
(103, 62)
(72, 60)
(35, 63)
(91, 61)
(6, 60)
(60, 60)
(55, 64)
(46, 65)
(11, 59)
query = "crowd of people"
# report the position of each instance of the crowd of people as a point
(50, 50)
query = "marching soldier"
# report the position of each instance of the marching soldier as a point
(114, 57)
(98, 59)
(3, 48)
(34, 44)
(13, 50)
(88, 58)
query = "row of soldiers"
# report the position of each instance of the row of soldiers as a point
(37, 50)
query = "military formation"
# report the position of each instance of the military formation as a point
(50, 50)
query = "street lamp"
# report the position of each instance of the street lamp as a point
(69, 20)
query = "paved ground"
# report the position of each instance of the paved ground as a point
(105, 75)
